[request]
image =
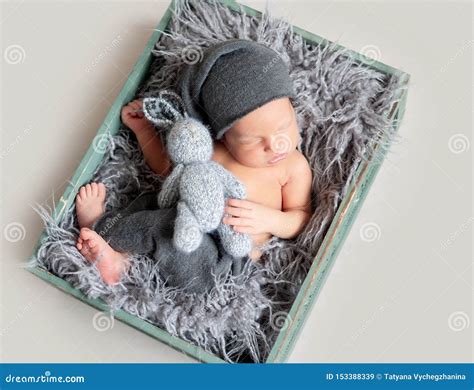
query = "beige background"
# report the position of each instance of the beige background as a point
(401, 289)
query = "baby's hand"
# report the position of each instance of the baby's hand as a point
(250, 217)
(134, 118)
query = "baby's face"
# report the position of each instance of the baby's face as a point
(265, 136)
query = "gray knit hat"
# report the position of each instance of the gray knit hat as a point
(232, 79)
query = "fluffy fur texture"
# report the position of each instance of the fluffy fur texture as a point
(340, 106)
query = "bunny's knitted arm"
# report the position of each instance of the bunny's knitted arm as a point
(233, 187)
(169, 194)
(234, 243)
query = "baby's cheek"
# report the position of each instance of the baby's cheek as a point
(246, 150)
(295, 138)
(252, 156)
(256, 154)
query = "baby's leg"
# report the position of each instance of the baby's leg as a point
(146, 201)
(138, 232)
(151, 232)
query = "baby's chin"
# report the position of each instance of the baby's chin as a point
(250, 164)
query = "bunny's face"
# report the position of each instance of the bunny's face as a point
(189, 141)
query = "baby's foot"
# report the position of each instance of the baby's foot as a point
(90, 204)
(110, 263)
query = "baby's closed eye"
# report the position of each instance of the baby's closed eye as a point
(249, 141)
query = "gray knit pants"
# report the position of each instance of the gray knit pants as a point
(143, 228)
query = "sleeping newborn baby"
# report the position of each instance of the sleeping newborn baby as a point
(242, 90)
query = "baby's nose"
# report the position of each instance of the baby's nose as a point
(268, 145)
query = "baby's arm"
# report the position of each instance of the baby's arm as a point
(296, 195)
(155, 154)
(254, 218)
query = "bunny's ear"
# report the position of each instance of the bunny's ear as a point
(165, 109)
(174, 100)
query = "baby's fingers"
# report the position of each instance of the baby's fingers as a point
(244, 229)
(137, 108)
(127, 111)
(236, 221)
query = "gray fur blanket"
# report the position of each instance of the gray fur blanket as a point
(340, 107)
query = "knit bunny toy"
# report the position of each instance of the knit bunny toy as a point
(197, 185)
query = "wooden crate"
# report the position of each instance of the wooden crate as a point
(328, 251)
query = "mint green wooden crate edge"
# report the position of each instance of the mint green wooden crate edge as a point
(93, 157)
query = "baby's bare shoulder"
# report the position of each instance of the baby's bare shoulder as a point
(297, 164)
(296, 192)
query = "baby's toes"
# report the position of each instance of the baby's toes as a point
(91, 239)
(82, 192)
(85, 251)
(94, 189)
(86, 234)
(133, 109)
(101, 190)
(79, 243)
(92, 244)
